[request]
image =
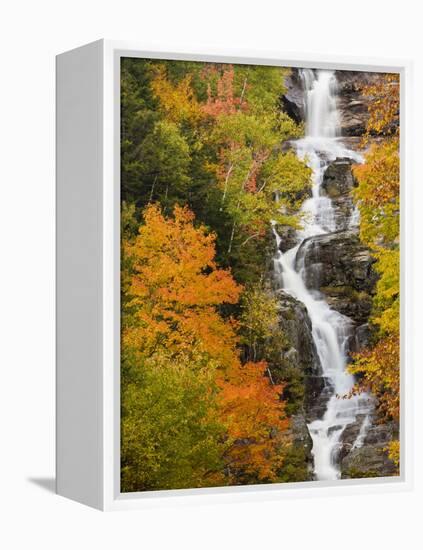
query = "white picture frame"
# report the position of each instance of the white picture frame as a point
(88, 279)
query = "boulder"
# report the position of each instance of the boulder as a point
(371, 459)
(341, 267)
(338, 179)
(338, 183)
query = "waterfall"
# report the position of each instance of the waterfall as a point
(322, 117)
(330, 329)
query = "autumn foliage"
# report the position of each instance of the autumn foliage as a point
(254, 417)
(175, 340)
(204, 173)
(223, 100)
(177, 101)
(384, 105)
(378, 199)
(175, 287)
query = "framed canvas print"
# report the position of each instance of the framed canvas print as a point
(231, 282)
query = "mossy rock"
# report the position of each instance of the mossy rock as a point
(368, 461)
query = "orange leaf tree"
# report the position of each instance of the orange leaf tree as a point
(173, 290)
(176, 287)
(254, 416)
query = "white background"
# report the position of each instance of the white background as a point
(32, 32)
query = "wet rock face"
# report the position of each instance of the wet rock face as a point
(298, 463)
(338, 184)
(293, 100)
(318, 393)
(350, 435)
(301, 435)
(334, 252)
(296, 326)
(302, 355)
(352, 105)
(371, 459)
(288, 237)
(341, 267)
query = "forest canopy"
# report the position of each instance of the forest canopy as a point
(203, 175)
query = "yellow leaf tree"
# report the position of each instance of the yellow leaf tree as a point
(378, 199)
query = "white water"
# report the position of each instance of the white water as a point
(330, 329)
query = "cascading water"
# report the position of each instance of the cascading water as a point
(330, 329)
